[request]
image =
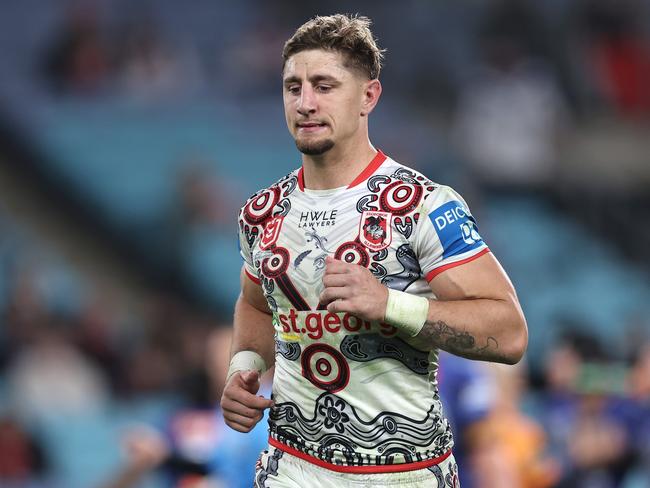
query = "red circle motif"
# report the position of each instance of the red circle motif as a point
(261, 207)
(353, 252)
(329, 361)
(400, 198)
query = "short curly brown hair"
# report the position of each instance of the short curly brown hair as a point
(347, 34)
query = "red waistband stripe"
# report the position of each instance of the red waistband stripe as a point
(368, 469)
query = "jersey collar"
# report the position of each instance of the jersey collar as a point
(376, 162)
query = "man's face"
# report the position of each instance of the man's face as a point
(323, 100)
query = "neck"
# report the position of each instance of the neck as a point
(337, 167)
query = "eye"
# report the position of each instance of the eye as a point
(293, 89)
(323, 88)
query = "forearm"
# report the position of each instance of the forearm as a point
(477, 314)
(486, 329)
(253, 331)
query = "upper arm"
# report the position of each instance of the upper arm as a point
(252, 294)
(482, 277)
(253, 325)
(452, 254)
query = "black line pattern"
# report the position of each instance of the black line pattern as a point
(405, 226)
(273, 305)
(288, 350)
(410, 273)
(365, 202)
(336, 434)
(366, 347)
(440, 477)
(289, 185)
(378, 270)
(374, 182)
(301, 256)
(406, 176)
(285, 206)
(380, 255)
(271, 469)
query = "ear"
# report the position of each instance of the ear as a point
(371, 93)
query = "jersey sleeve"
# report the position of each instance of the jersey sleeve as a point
(246, 252)
(447, 234)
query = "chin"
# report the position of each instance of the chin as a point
(314, 148)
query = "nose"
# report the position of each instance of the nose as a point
(307, 102)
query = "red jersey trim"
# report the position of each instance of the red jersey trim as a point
(378, 468)
(301, 179)
(376, 162)
(252, 277)
(432, 274)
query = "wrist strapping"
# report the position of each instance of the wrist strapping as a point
(244, 361)
(407, 312)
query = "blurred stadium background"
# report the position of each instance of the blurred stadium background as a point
(130, 133)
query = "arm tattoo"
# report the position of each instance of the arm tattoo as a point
(457, 342)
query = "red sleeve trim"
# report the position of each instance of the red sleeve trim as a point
(432, 274)
(376, 162)
(376, 468)
(252, 277)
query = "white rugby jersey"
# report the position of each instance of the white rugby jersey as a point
(352, 395)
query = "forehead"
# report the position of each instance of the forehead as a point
(312, 62)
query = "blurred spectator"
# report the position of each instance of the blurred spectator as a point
(196, 448)
(509, 117)
(150, 68)
(511, 444)
(638, 386)
(101, 326)
(251, 66)
(22, 459)
(599, 445)
(468, 393)
(619, 54)
(205, 198)
(78, 61)
(590, 422)
(51, 378)
(145, 450)
(201, 227)
(558, 400)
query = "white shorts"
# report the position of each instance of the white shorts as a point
(279, 469)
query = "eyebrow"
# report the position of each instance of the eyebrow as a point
(313, 79)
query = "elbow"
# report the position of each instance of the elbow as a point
(519, 342)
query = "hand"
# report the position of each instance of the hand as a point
(352, 288)
(242, 407)
(145, 447)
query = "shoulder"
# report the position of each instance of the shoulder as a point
(413, 198)
(269, 201)
(403, 190)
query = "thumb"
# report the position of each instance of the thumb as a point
(251, 379)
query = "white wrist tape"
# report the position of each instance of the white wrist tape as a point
(244, 361)
(407, 312)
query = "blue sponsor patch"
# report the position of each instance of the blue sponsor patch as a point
(456, 229)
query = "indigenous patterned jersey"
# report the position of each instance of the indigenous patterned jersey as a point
(349, 393)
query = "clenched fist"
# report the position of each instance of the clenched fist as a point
(242, 407)
(352, 288)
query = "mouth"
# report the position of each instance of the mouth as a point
(310, 127)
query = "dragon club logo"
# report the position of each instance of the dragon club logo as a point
(375, 231)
